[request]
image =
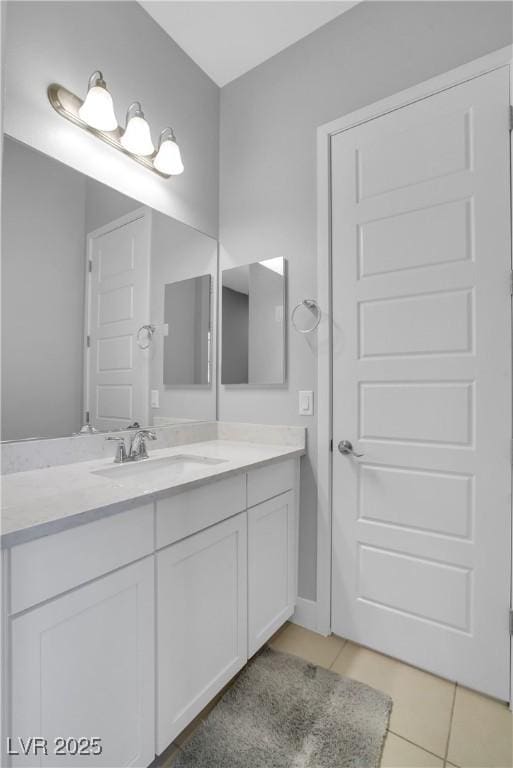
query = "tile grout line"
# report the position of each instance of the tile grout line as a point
(414, 744)
(337, 655)
(450, 723)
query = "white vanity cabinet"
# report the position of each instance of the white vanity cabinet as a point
(81, 637)
(125, 628)
(202, 622)
(83, 666)
(222, 592)
(271, 567)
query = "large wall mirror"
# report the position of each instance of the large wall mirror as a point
(253, 323)
(108, 307)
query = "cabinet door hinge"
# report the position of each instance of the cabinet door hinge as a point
(88, 341)
(331, 445)
(511, 118)
(90, 266)
(87, 416)
(511, 622)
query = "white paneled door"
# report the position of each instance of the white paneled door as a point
(422, 383)
(118, 306)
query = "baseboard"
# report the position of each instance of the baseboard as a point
(305, 614)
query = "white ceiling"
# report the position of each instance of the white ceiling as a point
(230, 37)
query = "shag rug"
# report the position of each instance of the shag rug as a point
(283, 712)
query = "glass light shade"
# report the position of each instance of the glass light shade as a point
(98, 109)
(137, 137)
(168, 159)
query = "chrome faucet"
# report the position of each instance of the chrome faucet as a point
(137, 449)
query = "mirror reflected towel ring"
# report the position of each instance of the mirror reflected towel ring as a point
(150, 330)
(312, 305)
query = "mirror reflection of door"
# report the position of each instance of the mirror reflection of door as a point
(253, 329)
(118, 306)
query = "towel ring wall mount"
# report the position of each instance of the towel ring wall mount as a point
(313, 306)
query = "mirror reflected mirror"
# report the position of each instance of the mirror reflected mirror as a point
(106, 306)
(187, 337)
(253, 323)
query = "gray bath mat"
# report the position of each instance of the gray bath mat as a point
(283, 712)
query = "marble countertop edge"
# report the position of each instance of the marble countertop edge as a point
(38, 516)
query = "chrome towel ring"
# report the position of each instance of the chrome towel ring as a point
(312, 305)
(150, 330)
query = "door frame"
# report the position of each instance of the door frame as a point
(483, 65)
(141, 212)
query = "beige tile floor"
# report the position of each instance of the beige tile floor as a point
(434, 723)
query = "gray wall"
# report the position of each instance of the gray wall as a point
(104, 205)
(65, 42)
(43, 269)
(268, 165)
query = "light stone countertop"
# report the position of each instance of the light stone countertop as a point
(39, 502)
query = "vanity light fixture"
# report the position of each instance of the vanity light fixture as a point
(96, 115)
(98, 108)
(137, 136)
(168, 158)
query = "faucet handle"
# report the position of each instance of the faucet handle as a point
(120, 449)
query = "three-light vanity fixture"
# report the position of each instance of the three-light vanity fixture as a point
(96, 115)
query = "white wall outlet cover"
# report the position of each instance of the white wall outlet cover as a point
(306, 403)
(155, 398)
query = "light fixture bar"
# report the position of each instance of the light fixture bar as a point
(67, 105)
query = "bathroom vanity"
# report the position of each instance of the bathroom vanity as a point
(130, 603)
(132, 593)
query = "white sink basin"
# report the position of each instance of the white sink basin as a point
(172, 466)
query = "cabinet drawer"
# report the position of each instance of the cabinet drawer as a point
(266, 482)
(45, 567)
(185, 513)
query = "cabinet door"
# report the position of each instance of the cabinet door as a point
(83, 666)
(202, 621)
(271, 567)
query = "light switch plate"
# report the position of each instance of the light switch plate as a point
(306, 403)
(155, 398)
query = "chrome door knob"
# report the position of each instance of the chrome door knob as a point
(346, 448)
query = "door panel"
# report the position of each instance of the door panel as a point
(422, 383)
(410, 330)
(443, 502)
(392, 159)
(416, 413)
(117, 382)
(422, 238)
